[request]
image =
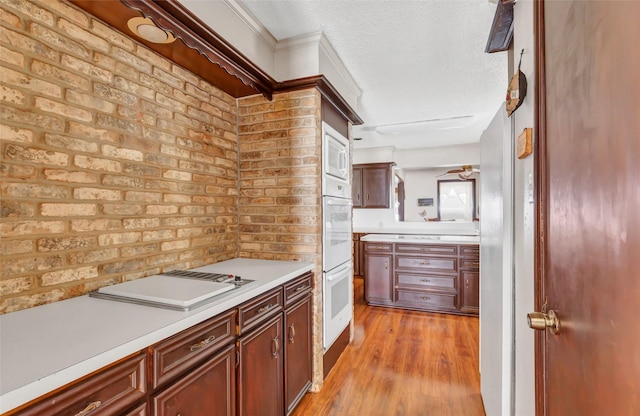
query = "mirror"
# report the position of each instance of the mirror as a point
(420, 189)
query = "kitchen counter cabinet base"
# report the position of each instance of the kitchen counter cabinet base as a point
(428, 277)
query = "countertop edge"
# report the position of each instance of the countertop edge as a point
(414, 239)
(30, 391)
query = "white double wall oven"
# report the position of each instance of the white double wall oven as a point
(337, 264)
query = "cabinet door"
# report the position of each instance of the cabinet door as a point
(376, 187)
(356, 188)
(297, 359)
(356, 255)
(209, 390)
(378, 277)
(260, 372)
(470, 289)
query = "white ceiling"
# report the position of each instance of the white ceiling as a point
(415, 61)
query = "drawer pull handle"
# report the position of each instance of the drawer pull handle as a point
(424, 263)
(302, 288)
(203, 343)
(425, 280)
(386, 265)
(475, 264)
(267, 307)
(89, 408)
(292, 333)
(425, 298)
(275, 347)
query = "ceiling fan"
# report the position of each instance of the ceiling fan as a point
(464, 172)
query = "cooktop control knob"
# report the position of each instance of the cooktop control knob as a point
(237, 279)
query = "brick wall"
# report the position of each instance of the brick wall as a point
(116, 164)
(280, 204)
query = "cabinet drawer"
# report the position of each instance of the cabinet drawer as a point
(379, 247)
(470, 251)
(297, 289)
(433, 264)
(427, 281)
(257, 310)
(207, 390)
(469, 263)
(178, 353)
(437, 249)
(109, 391)
(427, 300)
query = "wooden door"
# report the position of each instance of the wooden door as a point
(378, 277)
(356, 187)
(376, 186)
(298, 352)
(260, 373)
(588, 236)
(208, 390)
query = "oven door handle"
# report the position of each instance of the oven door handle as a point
(339, 201)
(338, 274)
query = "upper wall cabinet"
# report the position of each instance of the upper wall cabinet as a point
(371, 185)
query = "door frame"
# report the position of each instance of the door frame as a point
(541, 205)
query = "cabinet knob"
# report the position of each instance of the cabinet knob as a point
(386, 265)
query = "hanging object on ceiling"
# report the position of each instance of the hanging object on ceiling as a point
(517, 89)
(464, 172)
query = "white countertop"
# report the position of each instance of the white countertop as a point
(422, 239)
(48, 346)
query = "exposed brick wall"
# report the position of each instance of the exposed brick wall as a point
(116, 164)
(280, 202)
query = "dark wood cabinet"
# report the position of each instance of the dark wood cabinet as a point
(254, 359)
(470, 279)
(470, 293)
(208, 390)
(356, 187)
(378, 273)
(430, 277)
(371, 185)
(298, 354)
(358, 255)
(260, 370)
(109, 391)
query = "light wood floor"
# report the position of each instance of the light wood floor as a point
(402, 363)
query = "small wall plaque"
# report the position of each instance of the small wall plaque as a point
(425, 202)
(524, 143)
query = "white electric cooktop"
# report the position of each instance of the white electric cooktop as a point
(168, 290)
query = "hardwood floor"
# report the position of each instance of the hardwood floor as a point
(402, 363)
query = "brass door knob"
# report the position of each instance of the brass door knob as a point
(541, 321)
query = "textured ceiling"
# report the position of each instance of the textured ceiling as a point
(413, 60)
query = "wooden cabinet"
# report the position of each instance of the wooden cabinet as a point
(298, 354)
(426, 275)
(430, 277)
(177, 354)
(109, 391)
(378, 284)
(255, 359)
(260, 371)
(358, 255)
(208, 390)
(356, 187)
(470, 279)
(371, 185)
(260, 351)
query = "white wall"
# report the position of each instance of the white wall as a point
(496, 265)
(524, 219)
